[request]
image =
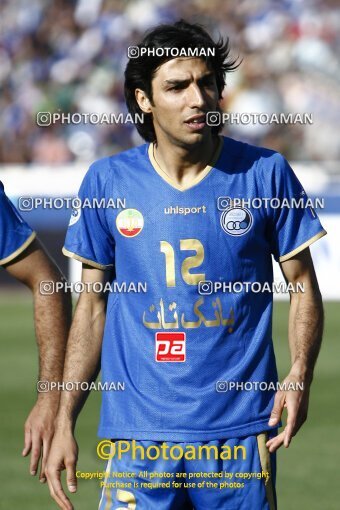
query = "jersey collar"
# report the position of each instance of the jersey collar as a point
(194, 181)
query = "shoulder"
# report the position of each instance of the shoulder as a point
(254, 153)
(105, 172)
(109, 167)
(2, 191)
(264, 163)
(4, 200)
(134, 155)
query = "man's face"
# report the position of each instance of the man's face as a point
(183, 91)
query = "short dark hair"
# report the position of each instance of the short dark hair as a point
(139, 71)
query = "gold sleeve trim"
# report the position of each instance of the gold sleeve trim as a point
(302, 246)
(17, 252)
(85, 261)
(266, 467)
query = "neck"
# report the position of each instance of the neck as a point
(183, 163)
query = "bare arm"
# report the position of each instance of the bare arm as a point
(81, 364)
(52, 318)
(305, 334)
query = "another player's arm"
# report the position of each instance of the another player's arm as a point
(305, 335)
(81, 364)
(52, 317)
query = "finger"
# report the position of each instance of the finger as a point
(64, 501)
(53, 496)
(57, 491)
(45, 451)
(292, 411)
(71, 478)
(276, 413)
(273, 439)
(27, 442)
(275, 443)
(36, 453)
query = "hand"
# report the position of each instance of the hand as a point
(296, 402)
(39, 430)
(63, 455)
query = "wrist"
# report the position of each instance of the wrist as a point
(302, 372)
(50, 398)
(64, 422)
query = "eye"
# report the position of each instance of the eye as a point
(177, 87)
(209, 82)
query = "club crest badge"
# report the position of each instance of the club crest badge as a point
(236, 221)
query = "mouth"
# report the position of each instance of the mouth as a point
(196, 122)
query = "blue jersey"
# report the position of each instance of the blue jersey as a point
(15, 234)
(172, 344)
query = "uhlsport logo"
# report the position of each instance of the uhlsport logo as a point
(235, 220)
(130, 222)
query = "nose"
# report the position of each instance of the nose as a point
(196, 99)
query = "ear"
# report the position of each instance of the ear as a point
(143, 101)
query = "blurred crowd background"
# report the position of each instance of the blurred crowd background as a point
(70, 56)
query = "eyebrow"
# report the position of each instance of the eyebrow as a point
(180, 82)
(175, 82)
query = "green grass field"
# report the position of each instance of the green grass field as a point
(308, 472)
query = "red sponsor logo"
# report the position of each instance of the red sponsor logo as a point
(170, 346)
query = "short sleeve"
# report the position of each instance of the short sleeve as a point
(294, 225)
(88, 238)
(15, 234)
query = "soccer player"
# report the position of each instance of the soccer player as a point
(177, 345)
(24, 258)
